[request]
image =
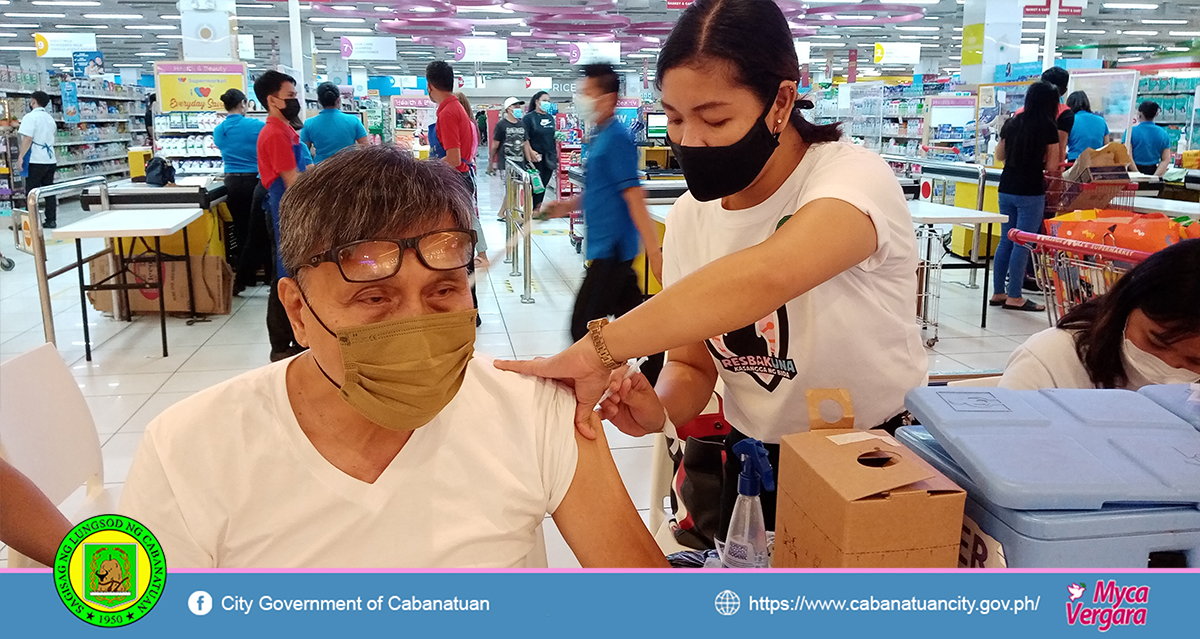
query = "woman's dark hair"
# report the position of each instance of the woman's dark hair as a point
(232, 98)
(328, 94)
(754, 38)
(1078, 101)
(1040, 111)
(1166, 287)
(533, 102)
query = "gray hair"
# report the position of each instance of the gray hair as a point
(365, 193)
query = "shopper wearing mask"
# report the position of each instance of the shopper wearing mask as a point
(1029, 149)
(37, 134)
(1090, 130)
(508, 139)
(796, 251)
(331, 130)
(541, 149)
(1149, 143)
(389, 444)
(1145, 331)
(281, 159)
(237, 138)
(613, 204)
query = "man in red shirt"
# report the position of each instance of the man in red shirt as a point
(280, 162)
(455, 129)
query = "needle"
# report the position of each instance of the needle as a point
(633, 370)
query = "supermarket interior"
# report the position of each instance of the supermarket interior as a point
(130, 249)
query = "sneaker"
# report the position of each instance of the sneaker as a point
(49, 224)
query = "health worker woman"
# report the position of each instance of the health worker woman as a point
(790, 264)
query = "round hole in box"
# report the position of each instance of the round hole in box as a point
(831, 411)
(878, 459)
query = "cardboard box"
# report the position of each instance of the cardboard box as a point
(212, 281)
(859, 499)
(1106, 164)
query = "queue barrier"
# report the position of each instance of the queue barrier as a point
(518, 224)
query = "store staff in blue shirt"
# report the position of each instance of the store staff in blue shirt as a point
(331, 130)
(614, 207)
(1090, 130)
(237, 138)
(1149, 143)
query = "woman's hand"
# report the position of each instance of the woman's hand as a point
(633, 407)
(578, 367)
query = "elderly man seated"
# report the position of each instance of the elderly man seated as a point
(387, 443)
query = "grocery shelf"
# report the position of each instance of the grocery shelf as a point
(905, 117)
(92, 142)
(952, 140)
(183, 131)
(1166, 92)
(902, 137)
(200, 171)
(87, 121)
(187, 155)
(81, 96)
(93, 161)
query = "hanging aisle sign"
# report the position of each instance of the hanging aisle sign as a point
(88, 63)
(368, 48)
(481, 50)
(197, 86)
(897, 52)
(803, 51)
(62, 45)
(539, 84)
(1042, 7)
(593, 52)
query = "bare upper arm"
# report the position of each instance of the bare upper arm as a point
(596, 517)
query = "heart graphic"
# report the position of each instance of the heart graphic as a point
(202, 91)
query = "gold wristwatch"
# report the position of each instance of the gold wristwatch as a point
(606, 358)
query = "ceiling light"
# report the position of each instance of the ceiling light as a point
(14, 25)
(1178, 49)
(650, 49)
(916, 37)
(1086, 31)
(956, 57)
(150, 54)
(382, 10)
(151, 27)
(171, 37)
(922, 1)
(389, 67)
(827, 37)
(1153, 21)
(487, 9)
(638, 55)
(1035, 31)
(918, 28)
(59, 65)
(128, 66)
(255, 5)
(546, 55)
(81, 26)
(862, 27)
(120, 37)
(263, 19)
(1031, 39)
(521, 33)
(65, 3)
(1041, 19)
(1139, 33)
(1186, 34)
(17, 49)
(8, 35)
(1129, 59)
(113, 16)
(343, 20)
(932, 18)
(346, 30)
(1136, 6)
(35, 15)
(1131, 49)
(324, 51)
(929, 45)
(828, 44)
(485, 33)
(170, 17)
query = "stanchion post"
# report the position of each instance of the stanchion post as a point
(527, 232)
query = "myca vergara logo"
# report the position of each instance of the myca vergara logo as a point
(1111, 605)
(110, 571)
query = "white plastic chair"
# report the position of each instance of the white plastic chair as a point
(47, 433)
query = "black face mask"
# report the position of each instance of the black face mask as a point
(714, 172)
(291, 109)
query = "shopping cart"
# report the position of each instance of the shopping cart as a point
(576, 230)
(1064, 196)
(1071, 272)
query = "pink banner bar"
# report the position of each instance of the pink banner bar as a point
(200, 67)
(413, 102)
(629, 103)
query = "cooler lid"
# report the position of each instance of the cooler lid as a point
(1174, 397)
(1064, 449)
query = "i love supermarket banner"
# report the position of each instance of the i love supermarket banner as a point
(184, 86)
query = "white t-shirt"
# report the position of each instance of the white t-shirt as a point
(856, 331)
(1049, 360)
(226, 478)
(40, 127)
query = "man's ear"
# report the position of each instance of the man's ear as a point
(293, 303)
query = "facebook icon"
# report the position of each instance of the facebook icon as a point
(200, 603)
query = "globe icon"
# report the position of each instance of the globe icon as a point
(727, 602)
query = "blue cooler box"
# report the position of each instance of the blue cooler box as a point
(1117, 536)
(1174, 397)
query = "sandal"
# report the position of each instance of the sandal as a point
(1029, 305)
(999, 302)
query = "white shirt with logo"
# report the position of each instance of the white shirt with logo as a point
(41, 128)
(856, 331)
(227, 479)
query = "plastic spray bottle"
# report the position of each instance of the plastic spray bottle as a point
(746, 539)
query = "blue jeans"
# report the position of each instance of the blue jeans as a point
(1025, 213)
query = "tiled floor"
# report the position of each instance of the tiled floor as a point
(128, 382)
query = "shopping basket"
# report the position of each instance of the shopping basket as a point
(1064, 195)
(1071, 272)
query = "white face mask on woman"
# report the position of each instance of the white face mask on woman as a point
(1144, 369)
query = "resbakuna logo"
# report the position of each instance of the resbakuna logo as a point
(110, 571)
(760, 350)
(1112, 605)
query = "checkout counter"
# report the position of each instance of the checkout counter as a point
(966, 177)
